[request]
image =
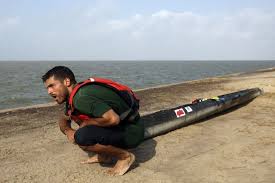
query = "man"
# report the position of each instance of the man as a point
(103, 133)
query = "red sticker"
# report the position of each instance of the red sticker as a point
(179, 112)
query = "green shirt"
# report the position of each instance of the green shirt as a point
(95, 100)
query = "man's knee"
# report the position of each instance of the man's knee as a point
(78, 138)
(82, 139)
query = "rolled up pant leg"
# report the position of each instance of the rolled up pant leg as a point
(91, 135)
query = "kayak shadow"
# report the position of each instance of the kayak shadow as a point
(146, 150)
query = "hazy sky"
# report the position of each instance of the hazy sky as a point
(143, 29)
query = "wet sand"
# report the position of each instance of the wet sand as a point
(238, 146)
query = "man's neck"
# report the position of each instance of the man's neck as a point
(70, 89)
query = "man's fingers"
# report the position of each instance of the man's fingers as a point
(72, 141)
(70, 137)
(84, 162)
(88, 161)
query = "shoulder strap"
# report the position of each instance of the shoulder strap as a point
(113, 84)
(75, 89)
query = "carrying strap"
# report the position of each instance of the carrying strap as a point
(130, 114)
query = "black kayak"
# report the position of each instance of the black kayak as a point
(167, 120)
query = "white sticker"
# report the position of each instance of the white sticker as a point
(188, 109)
(179, 112)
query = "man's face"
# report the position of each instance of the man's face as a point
(57, 89)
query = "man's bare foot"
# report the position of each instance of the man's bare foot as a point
(122, 165)
(98, 158)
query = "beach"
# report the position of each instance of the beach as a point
(237, 146)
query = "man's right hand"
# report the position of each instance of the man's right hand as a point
(70, 135)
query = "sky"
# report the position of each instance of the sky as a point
(137, 30)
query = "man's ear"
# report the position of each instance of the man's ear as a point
(67, 82)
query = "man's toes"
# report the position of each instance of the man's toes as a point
(86, 162)
(90, 160)
(111, 172)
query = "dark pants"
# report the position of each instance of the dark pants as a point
(91, 135)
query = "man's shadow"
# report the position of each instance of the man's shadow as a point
(144, 152)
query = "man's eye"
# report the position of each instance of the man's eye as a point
(51, 86)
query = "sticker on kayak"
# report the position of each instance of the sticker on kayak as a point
(179, 112)
(188, 109)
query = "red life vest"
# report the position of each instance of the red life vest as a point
(123, 91)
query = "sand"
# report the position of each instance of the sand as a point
(238, 146)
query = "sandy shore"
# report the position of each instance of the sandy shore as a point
(235, 147)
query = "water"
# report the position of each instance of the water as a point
(21, 83)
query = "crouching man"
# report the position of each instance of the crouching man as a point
(108, 120)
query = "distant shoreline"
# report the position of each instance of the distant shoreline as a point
(50, 104)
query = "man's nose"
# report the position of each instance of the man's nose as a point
(50, 91)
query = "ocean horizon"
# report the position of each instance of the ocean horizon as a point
(22, 85)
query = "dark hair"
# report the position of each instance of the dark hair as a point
(60, 73)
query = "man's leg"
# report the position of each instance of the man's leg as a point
(106, 142)
(125, 158)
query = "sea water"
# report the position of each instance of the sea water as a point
(21, 83)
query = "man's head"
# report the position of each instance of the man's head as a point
(59, 82)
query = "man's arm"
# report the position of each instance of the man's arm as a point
(65, 124)
(65, 127)
(109, 118)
